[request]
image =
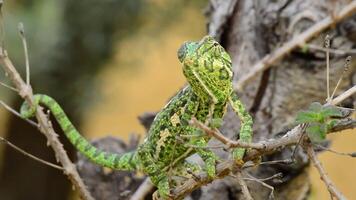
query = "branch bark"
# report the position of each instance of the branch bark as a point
(292, 137)
(223, 169)
(25, 91)
(323, 175)
(295, 42)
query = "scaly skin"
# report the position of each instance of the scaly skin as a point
(207, 68)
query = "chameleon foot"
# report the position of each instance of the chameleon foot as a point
(163, 188)
(238, 155)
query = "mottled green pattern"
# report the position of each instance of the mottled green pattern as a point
(125, 161)
(207, 68)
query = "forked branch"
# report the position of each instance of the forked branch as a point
(25, 91)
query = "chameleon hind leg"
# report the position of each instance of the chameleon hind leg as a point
(245, 129)
(156, 173)
(184, 171)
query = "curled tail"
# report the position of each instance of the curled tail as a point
(126, 161)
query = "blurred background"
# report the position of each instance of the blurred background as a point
(106, 62)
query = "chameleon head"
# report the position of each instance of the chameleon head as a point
(207, 67)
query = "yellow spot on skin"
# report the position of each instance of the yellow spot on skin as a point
(107, 170)
(175, 120)
(161, 142)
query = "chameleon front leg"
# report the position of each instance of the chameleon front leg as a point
(207, 155)
(200, 142)
(245, 129)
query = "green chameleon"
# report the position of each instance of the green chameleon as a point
(171, 139)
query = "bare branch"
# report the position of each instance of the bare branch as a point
(353, 154)
(145, 187)
(344, 96)
(333, 51)
(21, 29)
(252, 178)
(8, 86)
(7, 107)
(25, 91)
(346, 68)
(295, 42)
(327, 45)
(243, 185)
(323, 175)
(30, 155)
(219, 136)
(224, 168)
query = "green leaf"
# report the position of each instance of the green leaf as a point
(315, 107)
(331, 123)
(317, 132)
(331, 111)
(307, 117)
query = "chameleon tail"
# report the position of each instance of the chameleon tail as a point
(126, 161)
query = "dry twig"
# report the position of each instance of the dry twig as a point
(295, 42)
(30, 155)
(244, 189)
(292, 137)
(141, 192)
(7, 107)
(25, 91)
(317, 164)
(271, 194)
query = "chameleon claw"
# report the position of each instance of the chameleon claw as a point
(163, 188)
(238, 155)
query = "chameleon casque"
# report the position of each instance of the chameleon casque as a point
(207, 68)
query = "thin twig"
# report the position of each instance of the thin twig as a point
(327, 45)
(252, 178)
(353, 154)
(333, 51)
(7, 107)
(343, 96)
(270, 162)
(224, 168)
(8, 87)
(25, 91)
(30, 155)
(346, 68)
(206, 147)
(142, 191)
(24, 43)
(244, 189)
(323, 175)
(219, 136)
(295, 42)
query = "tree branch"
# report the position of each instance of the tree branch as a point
(317, 164)
(25, 91)
(223, 169)
(295, 42)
